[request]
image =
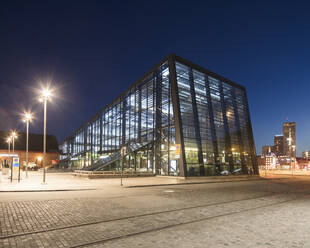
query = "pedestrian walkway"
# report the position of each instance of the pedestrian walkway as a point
(67, 182)
(34, 182)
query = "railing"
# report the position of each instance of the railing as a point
(103, 162)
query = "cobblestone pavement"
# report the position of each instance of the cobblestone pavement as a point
(269, 213)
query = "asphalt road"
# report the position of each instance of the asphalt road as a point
(260, 213)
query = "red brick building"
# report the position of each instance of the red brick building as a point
(35, 154)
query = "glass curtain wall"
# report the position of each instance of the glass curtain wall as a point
(141, 120)
(188, 119)
(242, 110)
(215, 124)
(215, 133)
(205, 121)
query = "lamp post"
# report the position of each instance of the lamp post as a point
(290, 151)
(27, 119)
(13, 137)
(123, 153)
(45, 96)
(9, 140)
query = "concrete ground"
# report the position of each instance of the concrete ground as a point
(67, 182)
(273, 212)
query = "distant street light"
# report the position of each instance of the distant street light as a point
(44, 97)
(27, 119)
(13, 137)
(9, 140)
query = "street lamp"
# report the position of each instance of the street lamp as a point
(9, 140)
(44, 97)
(27, 119)
(13, 137)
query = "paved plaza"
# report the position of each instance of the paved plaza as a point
(155, 212)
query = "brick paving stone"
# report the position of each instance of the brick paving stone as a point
(85, 234)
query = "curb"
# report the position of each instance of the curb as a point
(42, 190)
(173, 184)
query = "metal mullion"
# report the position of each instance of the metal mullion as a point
(134, 115)
(196, 122)
(119, 125)
(158, 127)
(123, 121)
(100, 123)
(146, 111)
(109, 132)
(228, 153)
(91, 141)
(104, 140)
(85, 139)
(129, 119)
(169, 96)
(177, 115)
(212, 125)
(237, 123)
(114, 126)
(147, 158)
(251, 137)
(139, 113)
(154, 114)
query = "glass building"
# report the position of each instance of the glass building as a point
(179, 119)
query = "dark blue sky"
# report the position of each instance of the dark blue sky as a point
(93, 50)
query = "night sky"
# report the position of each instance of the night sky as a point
(92, 51)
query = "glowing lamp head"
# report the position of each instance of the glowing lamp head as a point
(45, 94)
(9, 139)
(14, 135)
(27, 117)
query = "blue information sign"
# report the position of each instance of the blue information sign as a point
(15, 162)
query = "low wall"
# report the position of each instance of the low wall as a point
(110, 174)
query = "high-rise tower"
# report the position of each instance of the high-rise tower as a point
(289, 135)
(279, 145)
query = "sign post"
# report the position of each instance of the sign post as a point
(11, 162)
(123, 152)
(15, 171)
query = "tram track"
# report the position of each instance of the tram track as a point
(101, 241)
(136, 216)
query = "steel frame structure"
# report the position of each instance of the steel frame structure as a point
(225, 159)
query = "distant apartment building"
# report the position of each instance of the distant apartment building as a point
(271, 161)
(267, 150)
(278, 145)
(306, 155)
(283, 153)
(289, 135)
(302, 163)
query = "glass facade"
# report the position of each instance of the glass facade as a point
(212, 128)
